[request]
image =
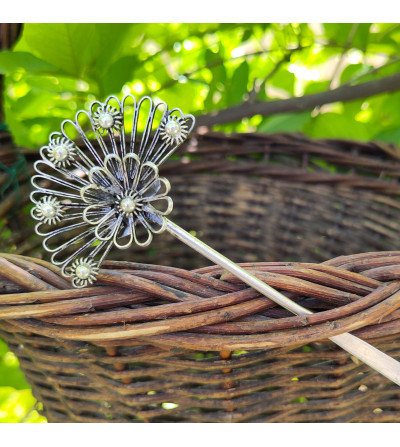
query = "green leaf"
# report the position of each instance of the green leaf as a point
(316, 87)
(352, 71)
(117, 74)
(12, 61)
(237, 86)
(361, 36)
(285, 122)
(180, 95)
(284, 80)
(334, 125)
(217, 85)
(79, 50)
(60, 44)
(348, 35)
(389, 136)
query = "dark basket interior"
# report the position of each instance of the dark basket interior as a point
(257, 198)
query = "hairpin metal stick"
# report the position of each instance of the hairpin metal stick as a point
(111, 195)
(365, 352)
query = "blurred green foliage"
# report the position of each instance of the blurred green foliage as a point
(17, 403)
(55, 69)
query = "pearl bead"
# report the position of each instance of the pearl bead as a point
(172, 128)
(83, 271)
(106, 120)
(60, 153)
(128, 205)
(48, 210)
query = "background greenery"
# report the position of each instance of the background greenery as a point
(55, 69)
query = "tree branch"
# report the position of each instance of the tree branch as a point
(298, 104)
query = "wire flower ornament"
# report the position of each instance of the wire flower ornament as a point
(98, 185)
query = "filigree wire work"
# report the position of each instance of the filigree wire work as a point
(98, 185)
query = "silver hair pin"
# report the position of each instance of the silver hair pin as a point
(110, 194)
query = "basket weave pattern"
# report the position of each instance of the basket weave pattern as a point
(167, 338)
(92, 355)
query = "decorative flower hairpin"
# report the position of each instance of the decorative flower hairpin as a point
(110, 194)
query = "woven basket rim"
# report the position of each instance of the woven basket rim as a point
(180, 320)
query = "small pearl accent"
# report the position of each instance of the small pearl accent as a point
(60, 153)
(83, 271)
(172, 128)
(48, 210)
(106, 120)
(128, 205)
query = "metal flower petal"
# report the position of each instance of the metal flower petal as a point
(105, 191)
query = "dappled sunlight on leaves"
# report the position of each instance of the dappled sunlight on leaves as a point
(55, 69)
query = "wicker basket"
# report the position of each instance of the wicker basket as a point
(158, 341)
